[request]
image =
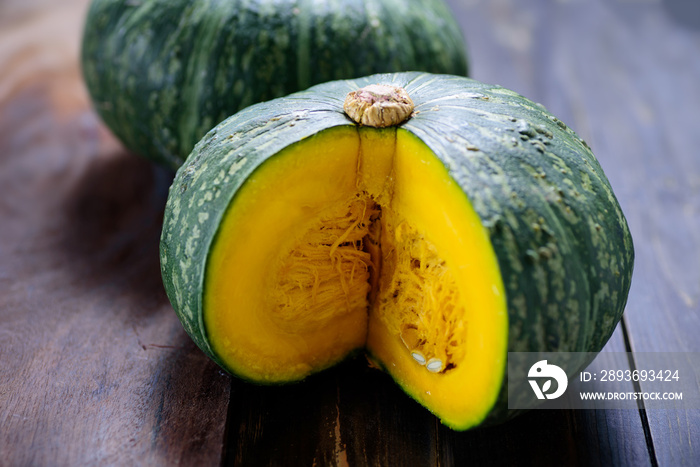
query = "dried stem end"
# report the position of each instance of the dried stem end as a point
(378, 105)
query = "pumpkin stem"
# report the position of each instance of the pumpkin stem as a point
(378, 105)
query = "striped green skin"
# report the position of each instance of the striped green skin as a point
(563, 246)
(161, 73)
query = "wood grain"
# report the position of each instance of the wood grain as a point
(95, 369)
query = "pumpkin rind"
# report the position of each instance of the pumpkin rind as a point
(563, 246)
(162, 73)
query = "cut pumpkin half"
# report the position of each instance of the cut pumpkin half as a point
(353, 238)
(432, 221)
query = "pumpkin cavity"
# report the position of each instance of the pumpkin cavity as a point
(327, 272)
(358, 256)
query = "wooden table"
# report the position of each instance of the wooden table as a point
(95, 369)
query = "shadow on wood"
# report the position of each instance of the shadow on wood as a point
(112, 223)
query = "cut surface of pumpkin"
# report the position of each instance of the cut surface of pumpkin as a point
(358, 238)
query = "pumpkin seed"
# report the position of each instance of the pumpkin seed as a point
(418, 356)
(434, 365)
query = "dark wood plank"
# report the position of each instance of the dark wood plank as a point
(350, 414)
(95, 368)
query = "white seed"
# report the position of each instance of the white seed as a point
(434, 365)
(419, 357)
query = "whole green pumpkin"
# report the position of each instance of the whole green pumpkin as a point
(161, 73)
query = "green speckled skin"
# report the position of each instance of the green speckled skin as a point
(563, 246)
(161, 73)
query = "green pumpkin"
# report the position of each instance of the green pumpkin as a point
(161, 73)
(472, 225)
